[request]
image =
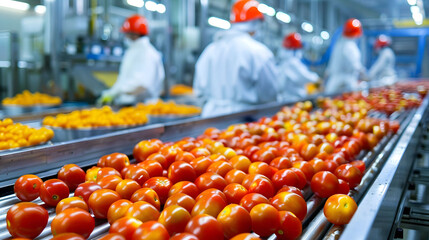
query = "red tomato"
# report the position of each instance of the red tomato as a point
(71, 202)
(281, 163)
(126, 188)
(115, 160)
(339, 209)
(52, 191)
(100, 201)
(234, 192)
(185, 156)
(331, 166)
(112, 236)
(209, 193)
(264, 155)
(84, 190)
(186, 145)
(106, 171)
(252, 199)
(210, 205)
(137, 174)
(262, 186)
(170, 153)
(235, 176)
(186, 187)
(152, 166)
(174, 218)
(27, 187)
(250, 178)
(306, 168)
(151, 230)
(285, 177)
(72, 175)
(143, 211)
(220, 167)
(324, 184)
(343, 187)
(290, 226)
(287, 201)
(148, 195)
(145, 148)
(240, 162)
(68, 236)
(360, 165)
(182, 200)
(350, 174)
(109, 182)
(234, 220)
(118, 210)
(210, 180)
(73, 220)
(246, 236)
(265, 219)
(301, 176)
(161, 185)
(201, 164)
(291, 189)
(125, 226)
(26, 220)
(205, 227)
(318, 165)
(261, 168)
(184, 236)
(181, 171)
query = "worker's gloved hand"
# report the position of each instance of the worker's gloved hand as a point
(105, 99)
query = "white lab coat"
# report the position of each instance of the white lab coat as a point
(382, 72)
(141, 74)
(234, 73)
(344, 67)
(293, 76)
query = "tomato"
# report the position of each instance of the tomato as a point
(209, 193)
(115, 160)
(281, 163)
(235, 176)
(186, 187)
(112, 236)
(360, 165)
(291, 189)
(186, 145)
(161, 185)
(145, 148)
(220, 167)
(290, 226)
(287, 201)
(109, 182)
(106, 171)
(174, 218)
(148, 195)
(234, 220)
(200, 152)
(210, 205)
(73, 220)
(52, 191)
(261, 168)
(72, 175)
(84, 190)
(262, 186)
(201, 164)
(218, 157)
(137, 174)
(152, 165)
(324, 184)
(118, 210)
(26, 220)
(301, 176)
(306, 168)
(181, 171)
(246, 236)
(170, 153)
(205, 227)
(285, 177)
(126, 188)
(309, 151)
(350, 174)
(181, 200)
(264, 155)
(151, 230)
(252, 199)
(234, 192)
(142, 211)
(240, 162)
(185, 156)
(339, 209)
(250, 178)
(343, 187)
(71, 202)
(100, 201)
(27, 187)
(265, 219)
(331, 165)
(91, 174)
(184, 236)
(125, 226)
(318, 165)
(210, 180)
(68, 236)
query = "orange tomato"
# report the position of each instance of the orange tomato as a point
(126, 188)
(118, 210)
(339, 209)
(71, 202)
(142, 211)
(174, 218)
(234, 220)
(182, 200)
(100, 201)
(287, 201)
(265, 219)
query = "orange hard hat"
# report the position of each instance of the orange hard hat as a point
(135, 24)
(382, 41)
(352, 28)
(245, 10)
(292, 41)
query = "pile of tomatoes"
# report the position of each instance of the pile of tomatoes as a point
(230, 184)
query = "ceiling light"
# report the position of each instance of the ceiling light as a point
(263, 8)
(307, 27)
(151, 6)
(136, 3)
(325, 35)
(16, 5)
(412, 2)
(160, 8)
(219, 23)
(284, 17)
(40, 9)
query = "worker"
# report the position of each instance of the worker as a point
(141, 73)
(236, 72)
(345, 67)
(382, 71)
(293, 75)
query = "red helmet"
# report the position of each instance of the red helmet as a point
(245, 10)
(292, 41)
(382, 41)
(135, 24)
(352, 28)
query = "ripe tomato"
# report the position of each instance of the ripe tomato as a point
(331, 165)
(109, 182)
(306, 168)
(261, 168)
(246, 236)
(291, 189)
(73, 220)
(52, 191)
(240, 162)
(185, 156)
(68, 236)
(264, 155)
(151, 230)
(137, 174)
(148, 195)
(126, 188)
(287, 201)
(339, 209)
(262, 186)
(112, 236)
(142, 211)
(290, 226)
(343, 187)
(235, 176)
(186, 187)
(281, 163)
(27, 187)
(71, 202)
(200, 152)
(201, 164)
(174, 218)
(318, 165)
(234, 192)
(84, 190)
(115, 160)
(209, 193)
(324, 184)
(250, 178)
(265, 219)
(170, 153)
(350, 174)
(301, 176)
(309, 151)
(210, 180)
(285, 177)
(145, 148)
(252, 199)
(125, 226)
(360, 165)
(26, 220)
(91, 174)
(181, 171)
(182, 200)
(234, 220)
(100, 201)
(106, 171)
(184, 236)
(72, 175)
(205, 227)
(220, 167)
(153, 165)
(118, 210)
(161, 185)
(210, 205)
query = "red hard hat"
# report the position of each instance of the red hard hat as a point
(135, 24)
(382, 41)
(292, 41)
(352, 28)
(245, 10)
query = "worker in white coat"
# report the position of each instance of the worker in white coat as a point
(293, 74)
(236, 72)
(345, 66)
(382, 72)
(141, 74)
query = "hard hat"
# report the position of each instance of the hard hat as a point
(292, 41)
(382, 41)
(352, 28)
(135, 24)
(245, 10)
